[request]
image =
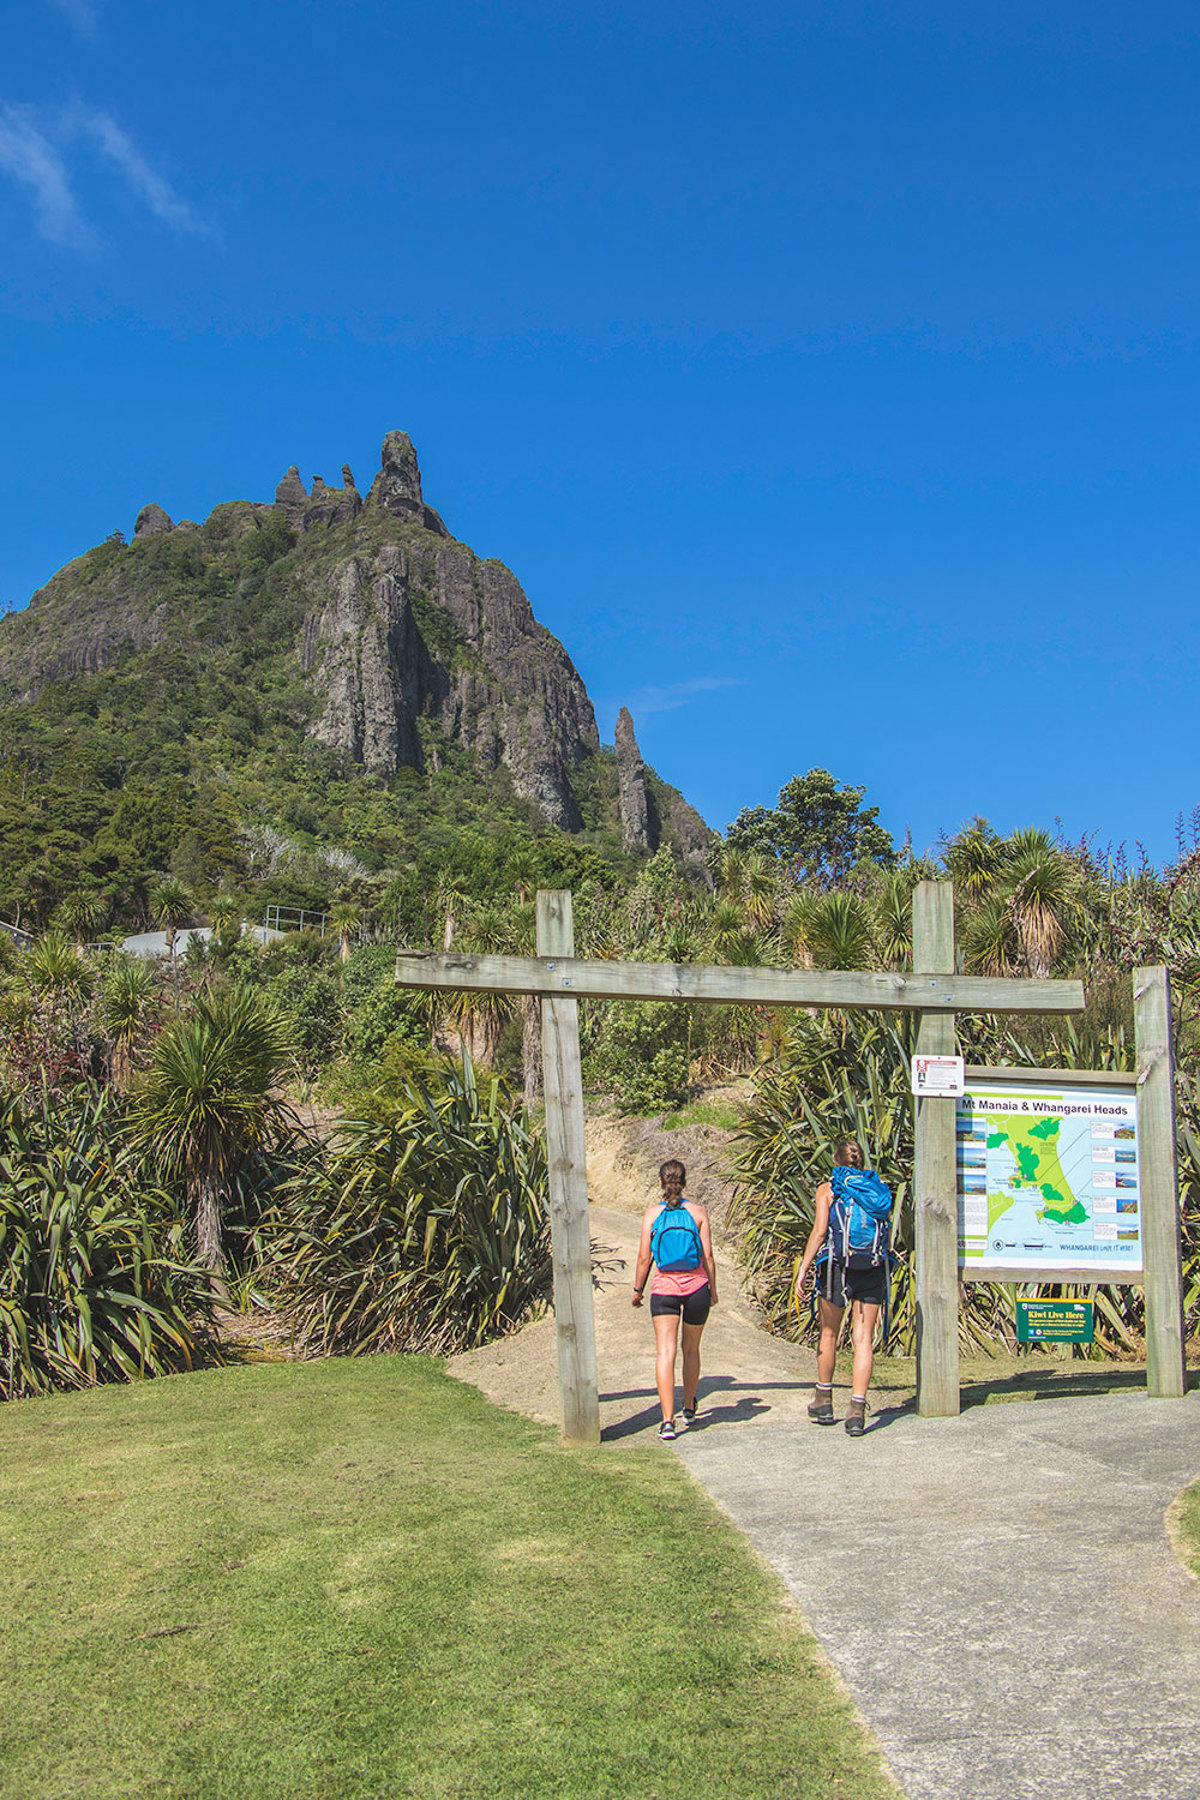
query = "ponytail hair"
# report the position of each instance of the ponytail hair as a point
(847, 1154)
(673, 1177)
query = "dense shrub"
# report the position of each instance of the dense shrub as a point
(94, 1281)
(427, 1230)
(640, 1054)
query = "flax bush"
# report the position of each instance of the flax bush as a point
(95, 1284)
(426, 1229)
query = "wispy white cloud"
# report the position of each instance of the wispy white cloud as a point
(677, 693)
(36, 164)
(151, 188)
(83, 14)
(38, 150)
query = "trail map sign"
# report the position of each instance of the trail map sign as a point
(1048, 1180)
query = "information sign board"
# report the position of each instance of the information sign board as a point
(937, 1076)
(1054, 1321)
(1048, 1178)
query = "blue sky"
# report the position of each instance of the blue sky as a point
(827, 373)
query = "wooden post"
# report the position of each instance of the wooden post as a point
(570, 1234)
(935, 1180)
(1165, 1368)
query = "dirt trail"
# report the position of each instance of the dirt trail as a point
(746, 1373)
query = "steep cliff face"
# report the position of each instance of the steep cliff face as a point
(403, 646)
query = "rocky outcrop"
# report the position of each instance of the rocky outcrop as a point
(397, 487)
(633, 800)
(291, 497)
(330, 506)
(692, 838)
(152, 521)
(422, 645)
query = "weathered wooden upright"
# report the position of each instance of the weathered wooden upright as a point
(1161, 1248)
(935, 1190)
(570, 1235)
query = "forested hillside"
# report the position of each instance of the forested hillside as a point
(321, 696)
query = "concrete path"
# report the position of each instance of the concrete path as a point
(997, 1590)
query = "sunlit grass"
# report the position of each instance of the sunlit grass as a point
(355, 1579)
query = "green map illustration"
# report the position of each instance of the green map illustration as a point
(1034, 1146)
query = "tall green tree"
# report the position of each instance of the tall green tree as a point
(819, 828)
(210, 1099)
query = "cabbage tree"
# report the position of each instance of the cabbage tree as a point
(210, 1099)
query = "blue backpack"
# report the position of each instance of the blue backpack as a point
(859, 1217)
(675, 1240)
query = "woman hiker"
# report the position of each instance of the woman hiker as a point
(852, 1265)
(676, 1238)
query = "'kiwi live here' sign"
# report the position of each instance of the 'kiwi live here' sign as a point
(1054, 1321)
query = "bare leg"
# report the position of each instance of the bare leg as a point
(830, 1317)
(666, 1335)
(691, 1363)
(862, 1333)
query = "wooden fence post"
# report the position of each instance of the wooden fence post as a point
(935, 1182)
(1166, 1375)
(570, 1234)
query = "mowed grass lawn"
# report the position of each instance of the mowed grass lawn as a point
(358, 1579)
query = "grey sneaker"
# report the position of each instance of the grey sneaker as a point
(689, 1414)
(667, 1432)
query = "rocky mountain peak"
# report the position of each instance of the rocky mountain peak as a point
(397, 487)
(152, 521)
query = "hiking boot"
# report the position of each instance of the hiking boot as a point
(820, 1409)
(856, 1418)
(667, 1432)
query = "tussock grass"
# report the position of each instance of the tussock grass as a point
(354, 1579)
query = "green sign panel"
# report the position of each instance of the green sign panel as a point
(1054, 1321)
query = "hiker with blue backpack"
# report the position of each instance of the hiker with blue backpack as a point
(677, 1240)
(850, 1244)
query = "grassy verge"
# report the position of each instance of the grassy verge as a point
(356, 1579)
(1184, 1527)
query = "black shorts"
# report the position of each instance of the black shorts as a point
(838, 1283)
(695, 1308)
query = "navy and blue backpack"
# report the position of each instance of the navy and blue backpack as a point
(675, 1240)
(860, 1232)
(860, 1218)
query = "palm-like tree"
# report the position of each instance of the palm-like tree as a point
(209, 1099)
(892, 909)
(758, 890)
(54, 968)
(129, 993)
(83, 914)
(975, 859)
(1041, 898)
(346, 920)
(480, 1016)
(829, 931)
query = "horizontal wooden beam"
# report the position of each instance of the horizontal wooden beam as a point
(979, 1075)
(1022, 1276)
(709, 984)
